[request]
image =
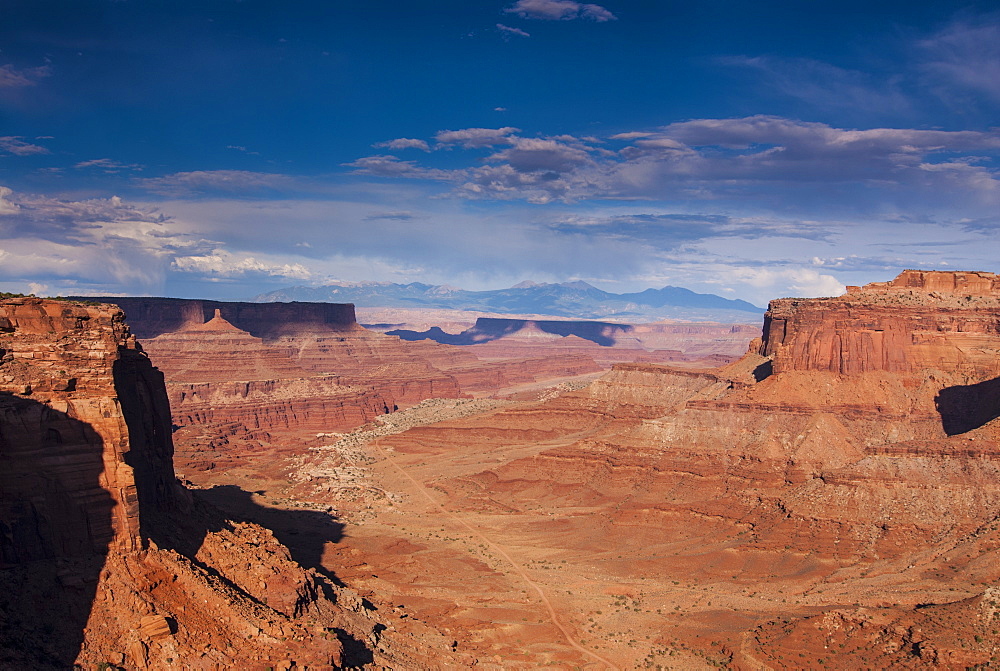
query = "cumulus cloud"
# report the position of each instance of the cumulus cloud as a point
(508, 31)
(386, 165)
(17, 146)
(102, 241)
(472, 138)
(404, 143)
(11, 77)
(222, 263)
(215, 181)
(806, 282)
(559, 10)
(764, 158)
(7, 207)
(546, 155)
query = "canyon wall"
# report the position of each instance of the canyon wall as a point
(85, 431)
(150, 317)
(920, 321)
(831, 496)
(107, 561)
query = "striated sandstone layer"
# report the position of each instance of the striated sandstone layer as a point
(922, 320)
(86, 427)
(218, 373)
(108, 562)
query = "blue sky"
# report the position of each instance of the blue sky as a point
(222, 148)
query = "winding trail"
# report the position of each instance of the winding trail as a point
(503, 553)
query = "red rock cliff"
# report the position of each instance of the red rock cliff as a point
(150, 317)
(922, 320)
(85, 431)
(107, 562)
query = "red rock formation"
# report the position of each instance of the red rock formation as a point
(107, 562)
(73, 386)
(219, 374)
(809, 504)
(150, 317)
(918, 322)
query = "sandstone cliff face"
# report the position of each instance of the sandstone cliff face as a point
(920, 321)
(86, 427)
(107, 562)
(220, 374)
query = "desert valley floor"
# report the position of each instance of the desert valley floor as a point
(826, 500)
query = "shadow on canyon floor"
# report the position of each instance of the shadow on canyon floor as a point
(489, 328)
(304, 532)
(55, 531)
(967, 407)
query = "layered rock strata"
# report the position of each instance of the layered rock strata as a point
(832, 496)
(86, 427)
(108, 562)
(922, 320)
(220, 374)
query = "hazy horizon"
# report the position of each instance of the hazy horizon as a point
(749, 151)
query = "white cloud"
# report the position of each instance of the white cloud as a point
(7, 207)
(507, 31)
(17, 146)
(806, 282)
(559, 10)
(99, 241)
(537, 154)
(107, 165)
(404, 143)
(226, 264)
(763, 158)
(386, 165)
(471, 138)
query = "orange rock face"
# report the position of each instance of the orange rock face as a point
(107, 562)
(920, 321)
(72, 387)
(827, 501)
(220, 374)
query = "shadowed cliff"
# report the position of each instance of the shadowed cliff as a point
(55, 530)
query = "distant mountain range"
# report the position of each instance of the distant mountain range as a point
(577, 300)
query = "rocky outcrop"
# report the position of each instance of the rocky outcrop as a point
(86, 431)
(150, 317)
(920, 321)
(106, 561)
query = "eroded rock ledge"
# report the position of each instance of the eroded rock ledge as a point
(921, 320)
(107, 561)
